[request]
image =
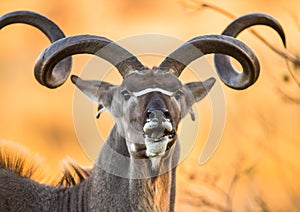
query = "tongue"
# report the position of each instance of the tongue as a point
(156, 133)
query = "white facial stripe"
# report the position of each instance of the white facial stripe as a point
(149, 90)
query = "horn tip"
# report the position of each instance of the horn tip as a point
(211, 80)
(74, 79)
(284, 42)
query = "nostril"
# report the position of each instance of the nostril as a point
(167, 114)
(150, 114)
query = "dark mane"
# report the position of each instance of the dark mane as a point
(73, 173)
(20, 160)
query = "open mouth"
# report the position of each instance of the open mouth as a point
(158, 139)
(152, 148)
(158, 133)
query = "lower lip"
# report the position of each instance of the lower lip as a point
(141, 150)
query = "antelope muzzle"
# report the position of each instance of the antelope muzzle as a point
(159, 132)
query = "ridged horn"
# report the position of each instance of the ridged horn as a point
(102, 47)
(222, 62)
(202, 45)
(48, 27)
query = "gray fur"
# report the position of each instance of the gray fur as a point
(146, 185)
(102, 191)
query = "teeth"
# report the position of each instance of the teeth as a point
(149, 126)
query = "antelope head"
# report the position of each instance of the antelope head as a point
(149, 104)
(147, 107)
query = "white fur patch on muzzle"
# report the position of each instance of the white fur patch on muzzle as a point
(156, 148)
(157, 136)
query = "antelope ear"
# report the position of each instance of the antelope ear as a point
(96, 91)
(201, 89)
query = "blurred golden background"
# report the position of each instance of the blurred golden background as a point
(257, 165)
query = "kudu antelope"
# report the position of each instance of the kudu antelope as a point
(147, 108)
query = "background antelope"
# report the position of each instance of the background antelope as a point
(147, 108)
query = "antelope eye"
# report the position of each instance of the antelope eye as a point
(126, 95)
(178, 94)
